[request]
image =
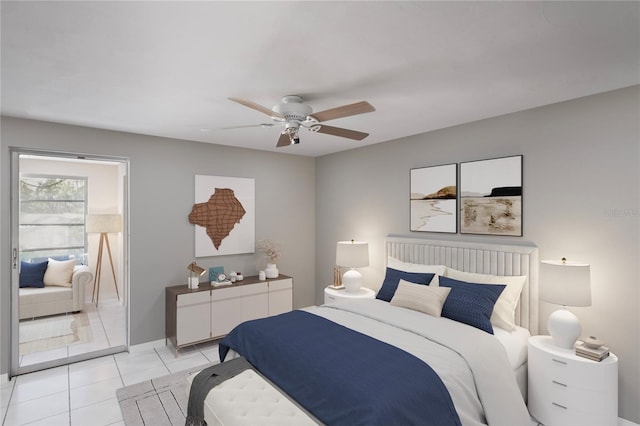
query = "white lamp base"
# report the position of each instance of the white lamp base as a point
(352, 280)
(193, 282)
(564, 328)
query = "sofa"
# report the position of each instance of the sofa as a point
(67, 296)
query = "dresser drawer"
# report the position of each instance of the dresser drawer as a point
(280, 285)
(225, 293)
(192, 298)
(251, 289)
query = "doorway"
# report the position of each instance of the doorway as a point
(69, 238)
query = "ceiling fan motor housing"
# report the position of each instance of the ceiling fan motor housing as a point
(293, 109)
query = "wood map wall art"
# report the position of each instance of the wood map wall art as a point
(224, 215)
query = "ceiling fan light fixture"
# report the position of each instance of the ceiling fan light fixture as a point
(292, 132)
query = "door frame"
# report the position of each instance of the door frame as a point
(15, 153)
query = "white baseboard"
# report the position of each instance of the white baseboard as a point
(4, 378)
(624, 422)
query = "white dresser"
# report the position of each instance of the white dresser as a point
(208, 312)
(568, 390)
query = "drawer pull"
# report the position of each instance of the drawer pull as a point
(558, 405)
(558, 383)
(559, 361)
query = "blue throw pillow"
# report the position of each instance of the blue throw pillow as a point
(32, 274)
(470, 303)
(393, 277)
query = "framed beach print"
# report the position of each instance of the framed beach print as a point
(491, 196)
(433, 199)
(224, 215)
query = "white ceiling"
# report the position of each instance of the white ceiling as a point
(167, 68)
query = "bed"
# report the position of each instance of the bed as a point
(368, 361)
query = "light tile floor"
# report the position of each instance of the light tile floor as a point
(108, 329)
(84, 393)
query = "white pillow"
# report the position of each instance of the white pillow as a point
(394, 263)
(504, 310)
(59, 272)
(424, 298)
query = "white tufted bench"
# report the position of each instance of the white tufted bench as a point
(248, 399)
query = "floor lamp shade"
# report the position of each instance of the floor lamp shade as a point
(103, 224)
(98, 223)
(352, 254)
(568, 284)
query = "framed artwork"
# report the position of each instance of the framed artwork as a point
(491, 196)
(433, 199)
(224, 215)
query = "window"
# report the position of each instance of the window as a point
(52, 215)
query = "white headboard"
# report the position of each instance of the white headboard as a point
(482, 258)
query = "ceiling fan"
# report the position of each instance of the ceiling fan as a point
(292, 114)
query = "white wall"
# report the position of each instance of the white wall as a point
(581, 200)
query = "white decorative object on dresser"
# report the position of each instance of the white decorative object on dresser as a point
(209, 312)
(332, 295)
(565, 389)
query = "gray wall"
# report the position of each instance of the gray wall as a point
(161, 196)
(581, 189)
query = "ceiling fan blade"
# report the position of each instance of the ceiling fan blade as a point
(257, 107)
(343, 133)
(343, 111)
(247, 126)
(283, 140)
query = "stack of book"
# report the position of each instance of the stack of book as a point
(597, 354)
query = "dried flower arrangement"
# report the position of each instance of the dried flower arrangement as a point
(270, 249)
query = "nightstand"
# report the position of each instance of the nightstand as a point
(332, 295)
(568, 390)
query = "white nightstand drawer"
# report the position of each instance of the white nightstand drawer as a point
(559, 415)
(574, 398)
(332, 295)
(578, 374)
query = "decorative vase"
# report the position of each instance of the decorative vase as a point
(271, 271)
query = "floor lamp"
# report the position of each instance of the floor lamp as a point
(103, 224)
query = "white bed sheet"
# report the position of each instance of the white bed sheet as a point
(515, 344)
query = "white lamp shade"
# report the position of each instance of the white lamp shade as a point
(98, 223)
(565, 283)
(352, 254)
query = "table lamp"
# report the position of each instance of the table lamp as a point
(568, 284)
(352, 254)
(195, 272)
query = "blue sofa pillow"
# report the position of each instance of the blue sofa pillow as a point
(393, 277)
(470, 303)
(32, 274)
